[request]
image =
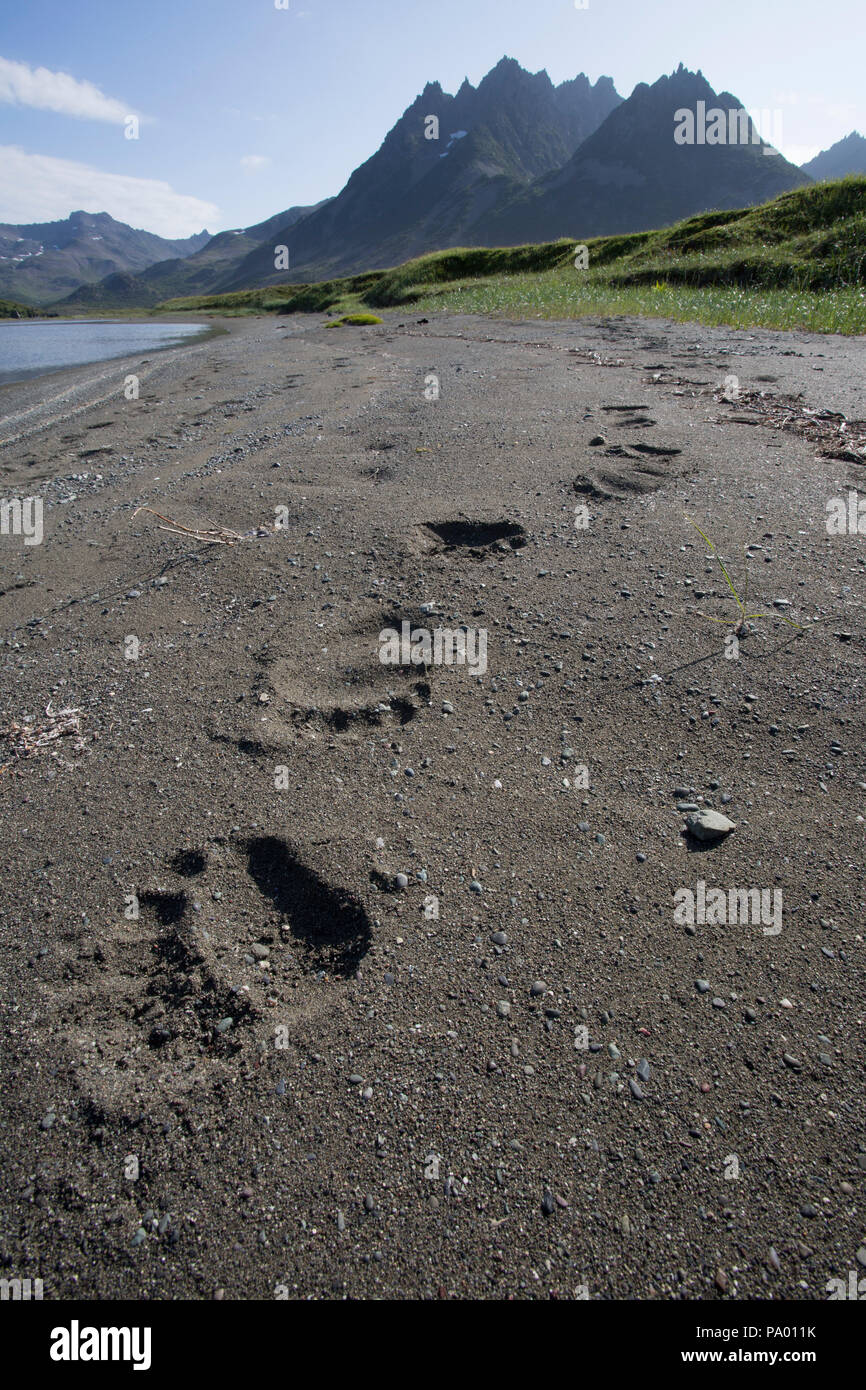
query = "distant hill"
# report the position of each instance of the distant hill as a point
(631, 174)
(209, 269)
(41, 262)
(847, 156)
(10, 310)
(418, 193)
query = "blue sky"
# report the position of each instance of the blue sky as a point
(247, 109)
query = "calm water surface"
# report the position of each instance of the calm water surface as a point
(31, 347)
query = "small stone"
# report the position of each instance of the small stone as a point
(640, 857)
(537, 987)
(499, 938)
(356, 1079)
(719, 1003)
(792, 1062)
(548, 1202)
(636, 1090)
(721, 1281)
(702, 986)
(643, 1070)
(774, 1259)
(260, 952)
(503, 1008)
(401, 881)
(860, 1257)
(709, 825)
(597, 439)
(808, 1210)
(475, 886)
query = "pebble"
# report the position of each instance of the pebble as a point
(537, 987)
(597, 439)
(548, 1203)
(499, 938)
(401, 881)
(475, 886)
(640, 857)
(636, 1090)
(503, 1008)
(719, 1003)
(643, 1070)
(702, 986)
(709, 825)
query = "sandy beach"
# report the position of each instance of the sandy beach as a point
(242, 1057)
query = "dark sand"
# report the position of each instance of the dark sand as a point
(146, 1153)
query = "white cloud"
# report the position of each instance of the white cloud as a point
(255, 161)
(21, 85)
(39, 188)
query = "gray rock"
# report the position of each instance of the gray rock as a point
(702, 986)
(709, 825)
(635, 1090)
(643, 1069)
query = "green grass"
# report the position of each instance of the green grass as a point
(358, 320)
(10, 310)
(796, 262)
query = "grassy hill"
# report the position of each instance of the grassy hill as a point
(798, 261)
(10, 310)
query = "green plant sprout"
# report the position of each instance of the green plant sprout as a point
(744, 618)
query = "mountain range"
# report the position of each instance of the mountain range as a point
(41, 262)
(515, 159)
(847, 156)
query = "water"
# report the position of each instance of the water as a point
(31, 347)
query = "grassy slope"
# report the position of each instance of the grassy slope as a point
(10, 310)
(796, 262)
